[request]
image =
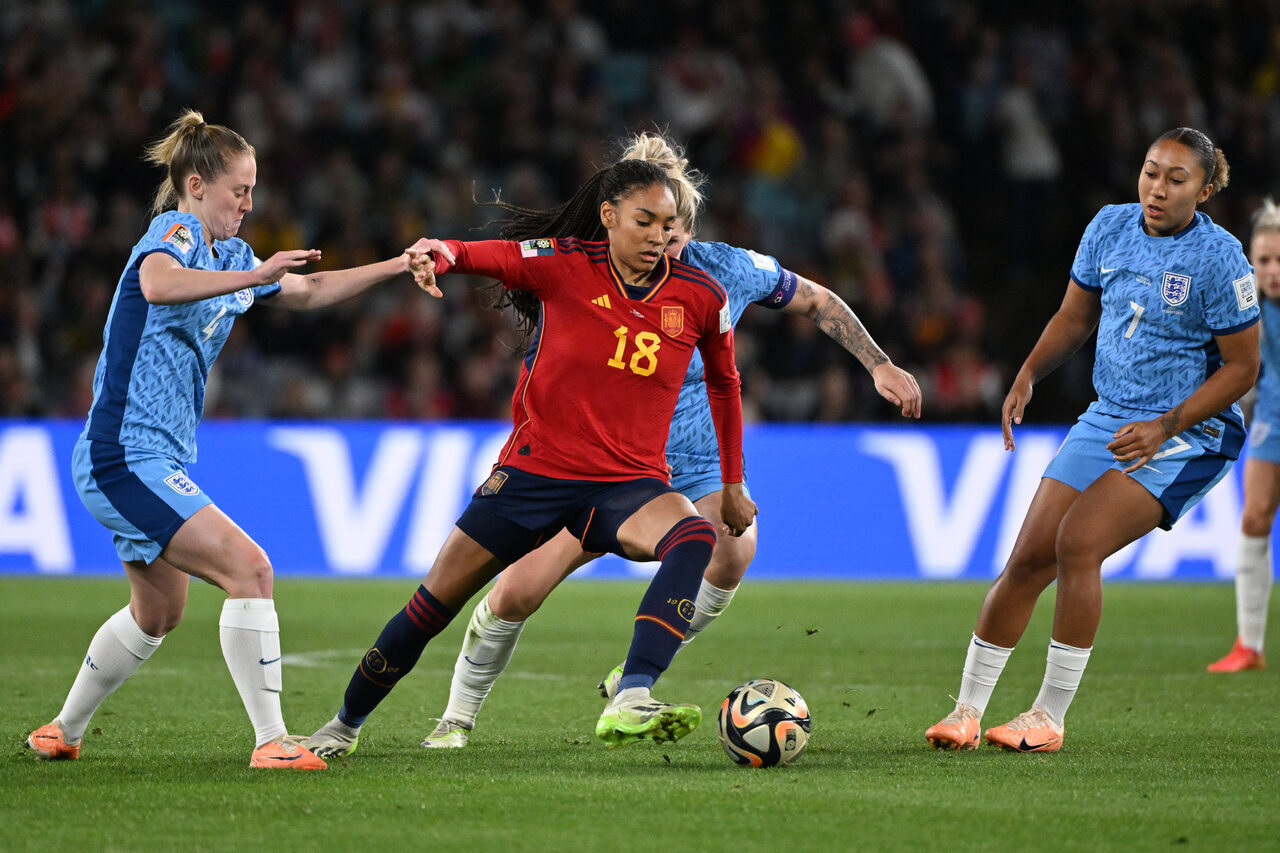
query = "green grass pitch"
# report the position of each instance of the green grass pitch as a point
(1159, 755)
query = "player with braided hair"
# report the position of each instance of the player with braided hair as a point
(749, 277)
(617, 323)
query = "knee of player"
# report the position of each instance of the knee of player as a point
(255, 571)
(1257, 521)
(513, 603)
(160, 621)
(1077, 549)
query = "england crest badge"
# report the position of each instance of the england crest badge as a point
(1175, 288)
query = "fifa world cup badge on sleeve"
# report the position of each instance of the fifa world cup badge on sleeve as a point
(180, 236)
(537, 248)
(726, 319)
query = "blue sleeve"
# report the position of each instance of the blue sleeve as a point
(1084, 269)
(1231, 302)
(783, 292)
(748, 276)
(177, 234)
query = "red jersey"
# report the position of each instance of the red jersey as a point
(599, 384)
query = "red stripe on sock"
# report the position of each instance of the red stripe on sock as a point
(424, 615)
(692, 530)
(661, 622)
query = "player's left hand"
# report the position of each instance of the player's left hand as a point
(898, 387)
(737, 510)
(422, 263)
(1137, 443)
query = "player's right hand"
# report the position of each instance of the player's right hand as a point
(737, 510)
(1014, 404)
(274, 267)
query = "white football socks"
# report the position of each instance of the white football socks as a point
(115, 653)
(250, 634)
(710, 603)
(1064, 666)
(983, 664)
(486, 650)
(1253, 589)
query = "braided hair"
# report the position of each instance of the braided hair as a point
(578, 217)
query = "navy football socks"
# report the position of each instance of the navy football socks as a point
(397, 650)
(667, 606)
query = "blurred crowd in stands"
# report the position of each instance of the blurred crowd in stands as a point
(932, 161)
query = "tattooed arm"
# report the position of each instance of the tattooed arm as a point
(837, 320)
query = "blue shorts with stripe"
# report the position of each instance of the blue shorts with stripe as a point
(142, 497)
(1182, 472)
(514, 512)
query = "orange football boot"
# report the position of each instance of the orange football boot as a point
(1240, 658)
(50, 743)
(957, 730)
(1030, 731)
(286, 753)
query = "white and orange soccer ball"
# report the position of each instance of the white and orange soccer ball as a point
(764, 723)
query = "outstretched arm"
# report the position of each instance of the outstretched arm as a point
(1066, 330)
(830, 314)
(164, 281)
(322, 289)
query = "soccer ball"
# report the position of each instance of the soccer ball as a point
(764, 723)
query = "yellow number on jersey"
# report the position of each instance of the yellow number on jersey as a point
(644, 361)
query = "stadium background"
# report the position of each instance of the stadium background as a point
(932, 162)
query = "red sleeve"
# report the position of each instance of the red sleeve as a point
(724, 392)
(498, 259)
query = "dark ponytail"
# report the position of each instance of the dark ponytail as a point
(578, 217)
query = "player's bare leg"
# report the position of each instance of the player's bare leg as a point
(158, 594)
(213, 547)
(1114, 511)
(1006, 610)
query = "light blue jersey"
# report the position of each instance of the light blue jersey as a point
(1163, 300)
(1264, 432)
(148, 388)
(748, 277)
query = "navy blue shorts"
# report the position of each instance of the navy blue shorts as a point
(514, 511)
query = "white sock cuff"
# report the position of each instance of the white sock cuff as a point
(139, 643)
(255, 614)
(1068, 657)
(990, 648)
(714, 597)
